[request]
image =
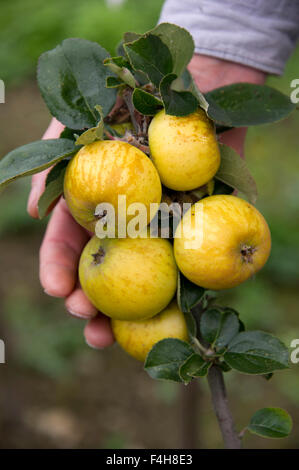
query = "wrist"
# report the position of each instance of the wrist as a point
(210, 72)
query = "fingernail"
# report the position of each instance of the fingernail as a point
(49, 293)
(32, 202)
(93, 346)
(77, 314)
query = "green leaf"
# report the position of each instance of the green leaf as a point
(145, 103)
(72, 81)
(119, 61)
(223, 366)
(209, 295)
(57, 171)
(113, 82)
(185, 82)
(130, 36)
(219, 327)
(53, 188)
(222, 188)
(202, 191)
(246, 104)
(210, 324)
(150, 55)
(120, 66)
(256, 352)
(120, 48)
(94, 133)
(234, 172)
(33, 158)
(188, 294)
(194, 366)
(179, 42)
(220, 129)
(230, 326)
(140, 77)
(191, 324)
(176, 103)
(165, 358)
(271, 422)
(68, 133)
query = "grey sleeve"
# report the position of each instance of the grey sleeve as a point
(258, 33)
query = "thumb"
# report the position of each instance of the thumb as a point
(39, 180)
(235, 138)
(38, 183)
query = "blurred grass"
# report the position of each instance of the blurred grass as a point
(48, 346)
(27, 29)
(47, 341)
(14, 218)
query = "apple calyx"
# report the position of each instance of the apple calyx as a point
(98, 257)
(247, 252)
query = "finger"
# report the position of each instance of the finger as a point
(60, 252)
(38, 181)
(78, 305)
(54, 130)
(98, 333)
(235, 138)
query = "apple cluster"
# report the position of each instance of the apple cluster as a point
(134, 280)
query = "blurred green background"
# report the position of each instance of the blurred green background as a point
(55, 391)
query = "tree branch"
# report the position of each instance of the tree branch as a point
(127, 97)
(220, 404)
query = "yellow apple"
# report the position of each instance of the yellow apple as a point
(123, 127)
(229, 243)
(138, 337)
(104, 170)
(128, 278)
(184, 149)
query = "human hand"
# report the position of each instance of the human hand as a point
(59, 256)
(211, 72)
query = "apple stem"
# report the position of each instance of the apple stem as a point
(199, 346)
(110, 136)
(139, 121)
(130, 139)
(219, 399)
(134, 141)
(127, 97)
(119, 113)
